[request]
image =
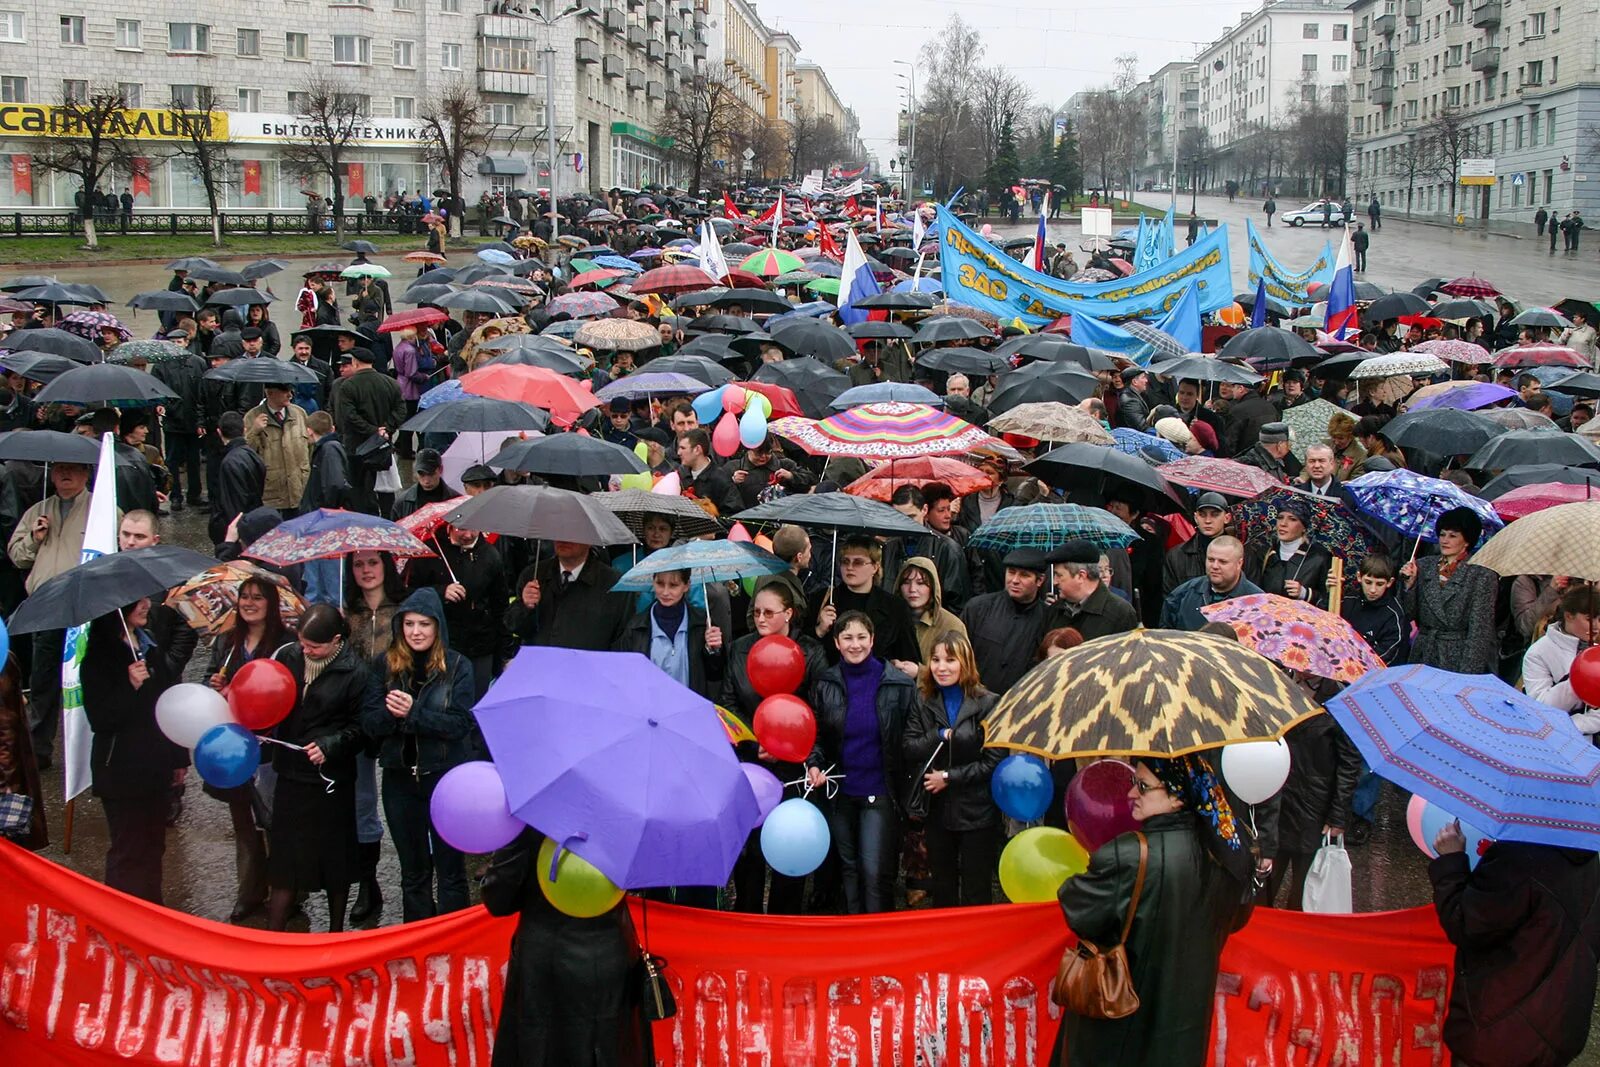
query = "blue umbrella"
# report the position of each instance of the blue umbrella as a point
(1135, 443)
(441, 394)
(919, 285)
(618, 263)
(497, 255)
(1516, 769)
(607, 756)
(565, 328)
(1411, 502)
(814, 310)
(650, 383)
(709, 561)
(1049, 526)
(886, 392)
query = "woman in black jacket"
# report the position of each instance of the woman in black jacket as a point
(944, 743)
(861, 705)
(312, 843)
(256, 315)
(131, 761)
(675, 637)
(422, 721)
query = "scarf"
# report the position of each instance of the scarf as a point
(954, 697)
(315, 667)
(1191, 780)
(1448, 566)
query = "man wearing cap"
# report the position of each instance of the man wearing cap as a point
(1188, 560)
(311, 396)
(241, 478)
(366, 405)
(1271, 452)
(1006, 626)
(428, 487)
(617, 426)
(1291, 565)
(1082, 600)
(1223, 580)
(276, 430)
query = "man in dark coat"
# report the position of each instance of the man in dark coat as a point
(365, 405)
(241, 478)
(1146, 555)
(1188, 560)
(1132, 406)
(1248, 411)
(759, 468)
(1526, 926)
(1223, 580)
(1324, 767)
(428, 488)
(1082, 600)
(702, 478)
(566, 601)
(1271, 452)
(328, 484)
(180, 437)
(1006, 627)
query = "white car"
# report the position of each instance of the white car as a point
(1313, 213)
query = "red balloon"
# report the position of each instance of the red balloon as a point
(775, 665)
(785, 727)
(261, 694)
(1097, 803)
(1585, 676)
(733, 399)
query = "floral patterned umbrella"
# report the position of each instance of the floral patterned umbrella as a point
(209, 601)
(1540, 355)
(1411, 502)
(881, 482)
(1395, 363)
(1334, 524)
(424, 523)
(1297, 635)
(1134, 443)
(88, 324)
(329, 534)
(625, 335)
(1456, 351)
(1224, 476)
(887, 431)
(150, 351)
(582, 305)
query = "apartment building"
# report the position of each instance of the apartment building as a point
(1171, 98)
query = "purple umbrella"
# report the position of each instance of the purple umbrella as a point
(609, 757)
(1467, 398)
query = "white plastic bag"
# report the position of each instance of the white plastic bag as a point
(1328, 884)
(388, 481)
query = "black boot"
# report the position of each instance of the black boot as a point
(369, 898)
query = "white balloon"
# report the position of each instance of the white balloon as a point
(1255, 770)
(187, 710)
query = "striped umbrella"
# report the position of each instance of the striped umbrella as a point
(1049, 526)
(582, 305)
(771, 262)
(596, 277)
(887, 431)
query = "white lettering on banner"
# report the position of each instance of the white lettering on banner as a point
(1366, 1028)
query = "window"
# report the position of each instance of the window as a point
(1555, 21)
(249, 100)
(405, 54)
(71, 29)
(405, 5)
(360, 103)
(74, 91)
(1341, 63)
(188, 37)
(450, 7)
(299, 102)
(405, 107)
(1308, 94)
(1308, 63)
(1550, 126)
(1341, 32)
(1536, 24)
(132, 94)
(294, 46)
(249, 43)
(350, 50)
(11, 26)
(192, 97)
(13, 90)
(1555, 65)
(506, 53)
(1535, 73)
(128, 35)
(450, 57)
(1518, 128)
(503, 114)
(1309, 31)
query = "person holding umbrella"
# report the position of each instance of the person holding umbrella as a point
(469, 575)
(1452, 601)
(679, 641)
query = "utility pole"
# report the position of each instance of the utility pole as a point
(549, 56)
(911, 128)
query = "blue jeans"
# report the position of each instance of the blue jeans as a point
(369, 827)
(321, 577)
(1364, 801)
(866, 834)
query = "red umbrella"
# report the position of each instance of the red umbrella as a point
(881, 482)
(424, 523)
(595, 277)
(784, 402)
(1472, 287)
(677, 278)
(1218, 476)
(1540, 355)
(562, 397)
(1426, 322)
(743, 279)
(401, 320)
(1527, 499)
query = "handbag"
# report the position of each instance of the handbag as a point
(1328, 889)
(1096, 983)
(918, 799)
(655, 993)
(16, 813)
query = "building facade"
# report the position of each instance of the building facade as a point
(1508, 81)
(1172, 105)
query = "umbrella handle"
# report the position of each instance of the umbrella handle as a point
(448, 569)
(555, 859)
(129, 635)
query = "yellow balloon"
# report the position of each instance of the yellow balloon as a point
(638, 481)
(642, 450)
(1037, 861)
(580, 890)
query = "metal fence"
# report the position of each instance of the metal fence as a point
(70, 223)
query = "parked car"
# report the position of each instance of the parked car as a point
(1314, 214)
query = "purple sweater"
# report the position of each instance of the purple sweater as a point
(863, 747)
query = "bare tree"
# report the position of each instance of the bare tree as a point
(1194, 155)
(1112, 129)
(1261, 151)
(1450, 139)
(946, 148)
(998, 99)
(453, 133)
(814, 141)
(770, 143)
(204, 153)
(704, 114)
(1409, 160)
(91, 137)
(327, 128)
(1319, 138)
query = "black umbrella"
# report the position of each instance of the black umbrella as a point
(264, 370)
(712, 346)
(1575, 383)
(1063, 372)
(1051, 348)
(365, 248)
(261, 268)
(191, 262)
(1205, 369)
(878, 331)
(164, 300)
(477, 272)
(963, 361)
(544, 513)
(1340, 366)
(566, 453)
(39, 366)
(1572, 306)
(832, 511)
(808, 337)
(699, 368)
(1107, 472)
(430, 293)
(477, 414)
(26, 281)
(696, 298)
(105, 384)
(1547, 317)
(1393, 305)
(1515, 448)
(1427, 287)
(755, 300)
(49, 446)
(729, 324)
(1063, 389)
(1460, 308)
(102, 585)
(56, 342)
(1247, 300)
(752, 343)
(814, 383)
(565, 362)
(474, 300)
(1442, 431)
(239, 298)
(56, 293)
(1530, 474)
(950, 328)
(893, 301)
(1269, 348)
(218, 274)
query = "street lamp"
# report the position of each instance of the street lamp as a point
(911, 125)
(549, 56)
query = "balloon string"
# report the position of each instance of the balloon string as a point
(328, 782)
(831, 788)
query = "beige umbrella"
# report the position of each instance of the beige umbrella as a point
(1590, 430)
(1310, 424)
(1564, 539)
(1054, 422)
(626, 335)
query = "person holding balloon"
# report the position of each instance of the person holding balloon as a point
(1551, 669)
(131, 760)
(861, 706)
(944, 742)
(421, 719)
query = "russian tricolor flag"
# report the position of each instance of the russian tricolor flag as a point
(1041, 239)
(1342, 313)
(855, 283)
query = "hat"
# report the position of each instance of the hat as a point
(1174, 430)
(173, 335)
(478, 472)
(1159, 412)
(86, 419)
(1211, 500)
(250, 333)
(1079, 551)
(1203, 433)
(1028, 559)
(1300, 509)
(428, 461)
(1274, 433)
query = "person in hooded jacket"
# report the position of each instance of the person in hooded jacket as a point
(1547, 665)
(1526, 926)
(311, 844)
(422, 722)
(944, 743)
(918, 585)
(676, 638)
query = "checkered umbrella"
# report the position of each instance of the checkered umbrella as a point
(1473, 287)
(1561, 540)
(679, 278)
(1049, 526)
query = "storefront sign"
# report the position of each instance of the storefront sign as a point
(92, 978)
(143, 124)
(255, 127)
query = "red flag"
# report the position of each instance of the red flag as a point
(729, 209)
(22, 175)
(827, 245)
(252, 177)
(356, 176)
(141, 176)
(851, 208)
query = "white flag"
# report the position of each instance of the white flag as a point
(919, 231)
(99, 538)
(712, 261)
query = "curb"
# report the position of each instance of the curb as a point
(219, 256)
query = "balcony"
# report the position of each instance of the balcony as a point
(1359, 34)
(700, 51)
(587, 51)
(654, 90)
(654, 12)
(514, 82)
(699, 20)
(611, 66)
(1487, 14)
(674, 26)
(506, 26)
(635, 80)
(655, 51)
(616, 20)
(636, 36)
(1383, 59)
(1413, 9)
(1486, 59)
(674, 65)
(1383, 25)
(1383, 95)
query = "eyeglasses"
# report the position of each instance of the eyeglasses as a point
(767, 613)
(1147, 787)
(855, 561)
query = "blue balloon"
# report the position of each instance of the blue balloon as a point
(708, 406)
(752, 426)
(227, 755)
(5, 643)
(1022, 787)
(1435, 818)
(795, 838)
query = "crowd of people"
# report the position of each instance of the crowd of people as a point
(909, 640)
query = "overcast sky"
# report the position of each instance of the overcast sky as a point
(1058, 48)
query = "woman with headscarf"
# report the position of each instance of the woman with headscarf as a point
(1452, 600)
(1197, 875)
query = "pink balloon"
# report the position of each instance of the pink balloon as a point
(739, 533)
(1097, 803)
(1414, 809)
(733, 399)
(668, 485)
(725, 438)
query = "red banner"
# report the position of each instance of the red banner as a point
(252, 177)
(356, 179)
(91, 978)
(141, 176)
(22, 175)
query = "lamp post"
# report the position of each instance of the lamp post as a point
(911, 126)
(549, 57)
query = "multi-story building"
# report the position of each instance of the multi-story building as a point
(783, 52)
(1254, 75)
(1508, 81)
(1172, 105)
